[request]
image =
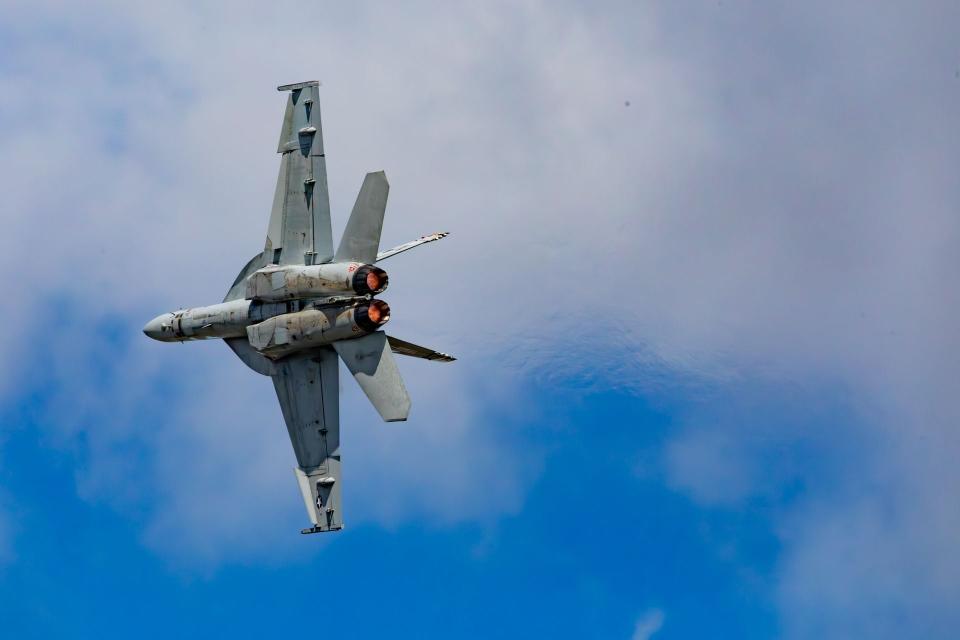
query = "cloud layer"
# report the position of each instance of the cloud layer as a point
(769, 223)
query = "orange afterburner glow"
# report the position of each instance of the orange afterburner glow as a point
(379, 312)
(374, 281)
(369, 280)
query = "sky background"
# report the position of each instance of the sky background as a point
(702, 284)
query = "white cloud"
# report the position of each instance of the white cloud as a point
(648, 625)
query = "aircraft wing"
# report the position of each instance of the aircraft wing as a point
(308, 389)
(299, 230)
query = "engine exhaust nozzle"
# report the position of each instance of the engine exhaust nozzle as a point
(370, 280)
(372, 315)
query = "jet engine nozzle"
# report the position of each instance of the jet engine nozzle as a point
(372, 315)
(369, 279)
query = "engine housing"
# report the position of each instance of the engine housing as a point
(289, 282)
(282, 335)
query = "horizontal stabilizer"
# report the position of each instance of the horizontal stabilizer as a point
(433, 237)
(371, 362)
(405, 348)
(361, 238)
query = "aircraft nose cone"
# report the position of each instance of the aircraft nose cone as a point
(155, 328)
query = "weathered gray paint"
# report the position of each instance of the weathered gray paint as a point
(300, 218)
(361, 237)
(371, 362)
(291, 282)
(288, 333)
(308, 389)
(291, 310)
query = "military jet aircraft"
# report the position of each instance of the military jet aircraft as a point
(298, 305)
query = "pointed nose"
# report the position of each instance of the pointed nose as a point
(160, 328)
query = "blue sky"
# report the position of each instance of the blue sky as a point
(701, 284)
(597, 544)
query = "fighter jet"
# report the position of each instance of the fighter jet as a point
(299, 305)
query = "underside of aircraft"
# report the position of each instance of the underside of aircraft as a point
(299, 305)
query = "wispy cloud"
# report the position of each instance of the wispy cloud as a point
(649, 623)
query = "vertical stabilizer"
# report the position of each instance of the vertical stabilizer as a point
(361, 238)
